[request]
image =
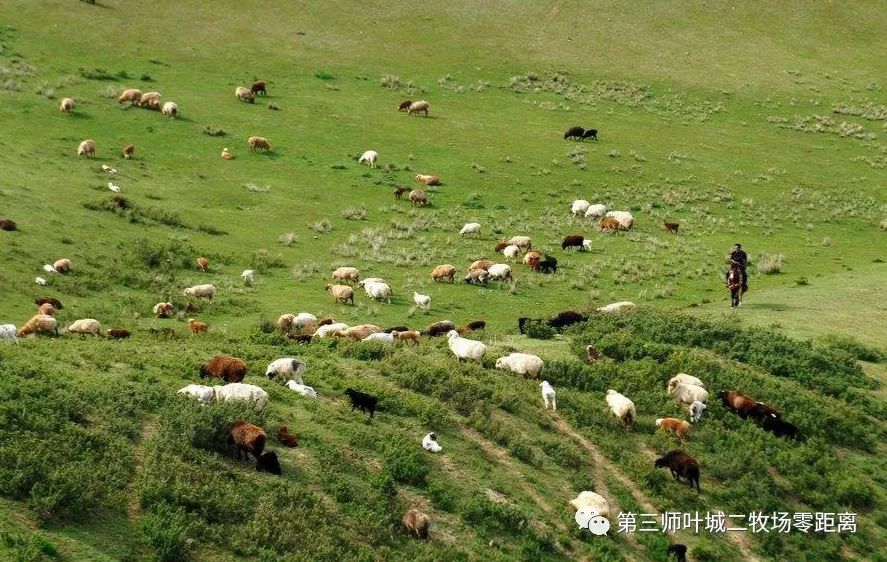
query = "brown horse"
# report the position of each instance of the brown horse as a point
(734, 283)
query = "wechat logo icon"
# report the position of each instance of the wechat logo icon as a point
(589, 518)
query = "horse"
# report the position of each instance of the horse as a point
(734, 283)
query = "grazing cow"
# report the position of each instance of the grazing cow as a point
(573, 241)
(679, 551)
(548, 265)
(780, 428)
(671, 227)
(574, 133)
(741, 404)
(681, 465)
(366, 402)
(590, 134)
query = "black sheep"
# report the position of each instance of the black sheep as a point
(477, 325)
(679, 551)
(548, 265)
(8, 225)
(779, 427)
(366, 402)
(566, 318)
(681, 465)
(590, 134)
(439, 328)
(267, 462)
(574, 133)
(397, 329)
(573, 241)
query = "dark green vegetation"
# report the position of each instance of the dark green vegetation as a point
(759, 124)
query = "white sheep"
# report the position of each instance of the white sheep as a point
(430, 444)
(595, 501)
(548, 395)
(617, 307)
(381, 337)
(86, 148)
(363, 282)
(7, 333)
(511, 251)
(286, 366)
(464, 348)
(579, 206)
(302, 389)
(523, 364)
(595, 211)
(205, 291)
(522, 242)
(40, 281)
(170, 109)
(302, 319)
(66, 105)
(625, 219)
(422, 301)
(685, 379)
(85, 326)
(688, 393)
(622, 407)
(113, 187)
(330, 329)
(248, 277)
(499, 272)
(204, 394)
(695, 410)
(48, 268)
(236, 391)
(244, 94)
(369, 157)
(470, 228)
(586, 244)
(347, 274)
(378, 291)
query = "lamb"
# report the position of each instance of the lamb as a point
(48, 268)
(244, 94)
(525, 364)
(342, 293)
(227, 154)
(439, 328)
(622, 407)
(465, 349)
(480, 264)
(359, 332)
(418, 198)
(204, 394)
(8, 225)
(406, 335)
(673, 425)
(286, 438)
(41, 281)
(259, 87)
(62, 266)
(369, 157)
(39, 324)
(86, 148)
(118, 333)
(548, 265)
(130, 95)
(301, 389)
(287, 367)
(404, 105)
(170, 109)
(238, 391)
(202, 263)
(248, 276)
(500, 272)
(399, 191)
(522, 242)
(695, 410)
(85, 327)
(681, 465)
(593, 500)
(511, 251)
(427, 179)
(329, 329)
(422, 301)
(366, 402)
(259, 143)
(595, 211)
(229, 369)
(7, 333)
(150, 100)
(573, 241)
(163, 310)
(579, 206)
(67, 105)
(420, 106)
(618, 308)
(685, 379)
(624, 218)
(429, 443)
(688, 393)
(381, 337)
(443, 272)
(671, 227)
(197, 327)
(416, 523)
(248, 439)
(470, 228)
(128, 151)
(592, 355)
(548, 395)
(378, 291)
(205, 291)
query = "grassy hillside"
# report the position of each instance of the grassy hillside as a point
(758, 124)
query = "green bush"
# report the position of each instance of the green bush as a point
(539, 329)
(165, 531)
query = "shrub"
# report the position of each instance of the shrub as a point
(97, 74)
(214, 131)
(323, 75)
(263, 260)
(165, 530)
(405, 461)
(540, 330)
(770, 264)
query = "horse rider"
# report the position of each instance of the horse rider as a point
(740, 258)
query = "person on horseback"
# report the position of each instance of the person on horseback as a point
(739, 257)
(734, 283)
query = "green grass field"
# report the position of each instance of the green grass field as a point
(760, 124)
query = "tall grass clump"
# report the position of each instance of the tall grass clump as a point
(770, 264)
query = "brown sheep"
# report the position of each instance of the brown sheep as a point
(500, 246)
(439, 328)
(150, 100)
(67, 105)
(47, 309)
(477, 277)
(248, 439)
(532, 259)
(342, 293)
(404, 105)
(86, 148)
(442, 272)
(399, 191)
(406, 336)
(196, 326)
(8, 225)
(741, 404)
(609, 224)
(418, 198)
(131, 95)
(285, 322)
(128, 151)
(259, 143)
(475, 325)
(57, 304)
(202, 263)
(480, 264)
(359, 332)
(259, 87)
(416, 523)
(286, 438)
(427, 179)
(118, 333)
(593, 355)
(681, 465)
(225, 367)
(671, 227)
(680, 428)
(39, 324)
(63, 265)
